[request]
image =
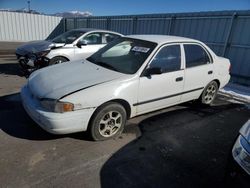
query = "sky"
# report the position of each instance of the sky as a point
(125, 7)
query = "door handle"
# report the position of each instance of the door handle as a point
(210, 72)
(179, 79)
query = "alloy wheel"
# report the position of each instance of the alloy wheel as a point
(110, 123)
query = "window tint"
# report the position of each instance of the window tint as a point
(110, 37)
(195, 55)
(168, 59)
(93, 38)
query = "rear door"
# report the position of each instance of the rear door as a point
(159, 91)
(198, 70)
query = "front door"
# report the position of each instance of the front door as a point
(162, 90)
(93, 42)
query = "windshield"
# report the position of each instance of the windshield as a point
(124, 55)
(68, 37)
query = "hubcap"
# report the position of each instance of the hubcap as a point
(110, 123)
(210, 94)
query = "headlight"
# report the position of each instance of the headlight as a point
(240, 153)
(57, 106)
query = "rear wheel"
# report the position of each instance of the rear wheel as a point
(108, 121)
(57, 60)
(209, 93)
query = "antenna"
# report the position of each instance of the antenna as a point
(28, 6)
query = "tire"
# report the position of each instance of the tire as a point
(108, 121)
(57, 60)
(209, 93)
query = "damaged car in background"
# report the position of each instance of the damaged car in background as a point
(72, 45)
(128, 77)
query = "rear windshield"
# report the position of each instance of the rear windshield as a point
(124, 55)
(68, 37)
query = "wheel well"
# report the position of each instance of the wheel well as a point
(125, 104)
(61, 56)
(122, 102)
(218, 82)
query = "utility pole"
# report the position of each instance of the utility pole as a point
(28, 6)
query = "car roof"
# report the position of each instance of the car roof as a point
(93, 29)
(162, 39)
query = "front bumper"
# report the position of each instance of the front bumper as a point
(30, 63)
(56, 123)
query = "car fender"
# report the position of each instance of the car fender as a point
(93, 97)
(65, 51)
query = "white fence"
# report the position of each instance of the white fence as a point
(16, 26)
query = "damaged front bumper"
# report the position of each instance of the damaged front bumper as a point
(29, 63)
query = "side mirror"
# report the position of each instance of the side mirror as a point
(79, 44)
(153, 70)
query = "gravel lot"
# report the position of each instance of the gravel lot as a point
(182, 146)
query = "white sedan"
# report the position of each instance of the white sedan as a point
(72, 45)
(130, 76)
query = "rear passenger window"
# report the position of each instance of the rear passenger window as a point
(168, 59)
(195, 55)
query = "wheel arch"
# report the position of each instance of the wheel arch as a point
(122, 102)
(60, 56)
(217, 81)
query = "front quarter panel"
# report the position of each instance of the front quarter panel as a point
(93, 97)
(65, 51)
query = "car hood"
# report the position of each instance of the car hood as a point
(57, 81)
(37, 46)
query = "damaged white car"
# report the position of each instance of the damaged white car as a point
(72, 45)
(130, 76)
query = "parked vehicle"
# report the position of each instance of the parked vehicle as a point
(130, 76)
(239, 163)
(73, 45)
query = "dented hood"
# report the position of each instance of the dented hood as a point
(56, 81)
(37, 46)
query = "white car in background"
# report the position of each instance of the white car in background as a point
(73, 45)
(131, 76)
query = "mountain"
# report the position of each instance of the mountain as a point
(61, 14)
(73, 14)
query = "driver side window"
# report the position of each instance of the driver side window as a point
(93, 38)
(168, 59)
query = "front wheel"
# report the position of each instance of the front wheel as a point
(108, 121)
(57, 60)
(209, 93)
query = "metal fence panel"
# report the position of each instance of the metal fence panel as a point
(26, 27)
(122, 25)
(153, 25)
(98, 23)
(81, 23)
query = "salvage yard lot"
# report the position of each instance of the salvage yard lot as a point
(183, 146)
